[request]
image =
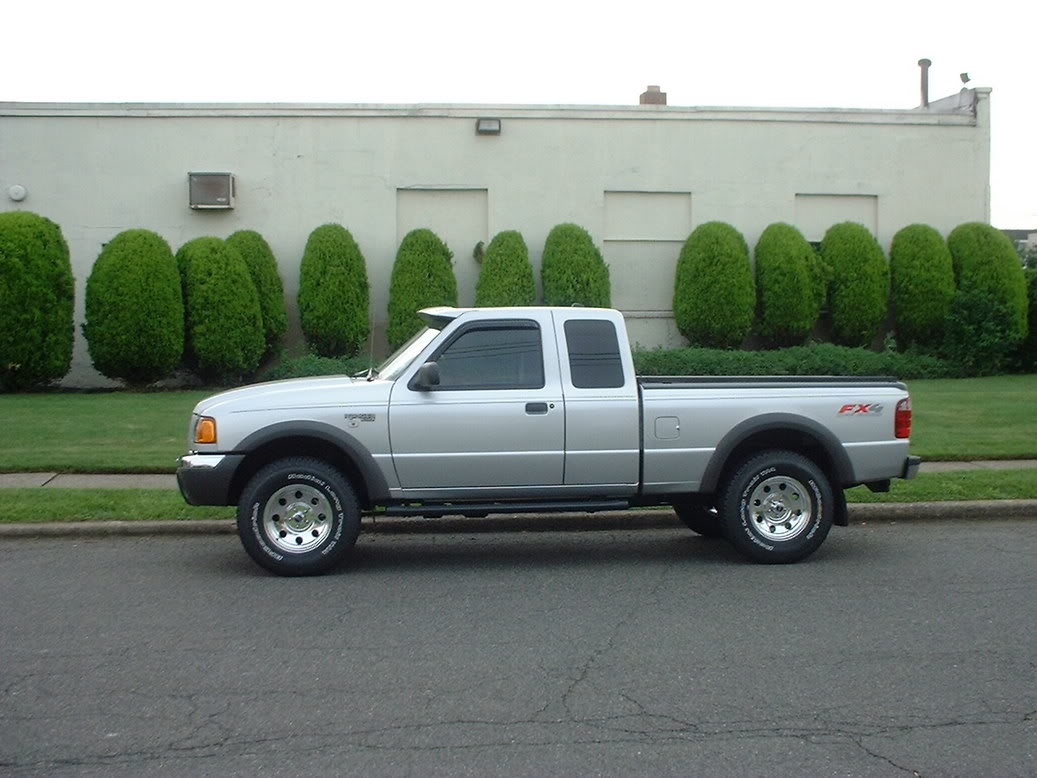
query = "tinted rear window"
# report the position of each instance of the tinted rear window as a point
(594, 359)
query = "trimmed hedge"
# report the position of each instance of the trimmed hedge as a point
(922, 277)
(36, 300)
(572, 269)
(714, 295)
(859, 292)
(135, 309)
(820, 359)
(985, 262)
(262, 266)
(979, 334)
(506, 275)
(787, 301)
(224, 327)
(333, 292)
(314, 365)
(1026, 356)
(422, 277)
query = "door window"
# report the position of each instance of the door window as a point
(493, 357)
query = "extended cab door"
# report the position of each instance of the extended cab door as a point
(495, 424)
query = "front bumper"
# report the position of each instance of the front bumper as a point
(911, 465)
(205, 479)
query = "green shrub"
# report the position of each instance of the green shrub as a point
(786, 286)
(922, 276)
(224, 327)
(859, 292)
(572, 269)
(36, 298)
(714, 295)
(314, 365)
(333, 292)
(820, 278)
(262, 266)
(820, 359)
(506, 276)
(135, 309)
(985, 262)
(979, 334)
(1026, 357)
(422, 277)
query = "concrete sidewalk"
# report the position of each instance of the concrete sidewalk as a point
(168, 481)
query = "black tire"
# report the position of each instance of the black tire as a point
(699, 516)
(318, 526)
(777, 507)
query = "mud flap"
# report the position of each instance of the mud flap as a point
(842, 513)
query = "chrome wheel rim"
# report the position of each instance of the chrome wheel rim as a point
(297, 518)
(779, 508)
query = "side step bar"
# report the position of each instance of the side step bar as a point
(478, 510)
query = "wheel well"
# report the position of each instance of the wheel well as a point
(294, 446)
(786, 440)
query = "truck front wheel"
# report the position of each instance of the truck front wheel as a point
(777, 507)
(298, 516)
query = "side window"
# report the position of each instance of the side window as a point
(594, 360)
(498, 357)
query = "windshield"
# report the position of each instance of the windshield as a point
(391, 368)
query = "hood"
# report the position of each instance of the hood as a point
(296, 393)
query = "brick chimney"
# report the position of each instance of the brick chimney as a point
(653, 96)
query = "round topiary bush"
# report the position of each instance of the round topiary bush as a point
(985, 262)
(922, 278)
(859, 292)
(787, 300)
(714, 295)
(262, 266)
(506, 276)
(422, 277)
(573, 270)
(333, 292)
(224, 327)
(36, 298)
(135, 309)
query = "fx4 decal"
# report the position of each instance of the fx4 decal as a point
(861, 409)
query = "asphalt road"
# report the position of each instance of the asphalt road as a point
(898, 649)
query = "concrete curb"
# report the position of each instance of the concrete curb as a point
(573, 522)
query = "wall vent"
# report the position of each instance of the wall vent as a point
(211, 191)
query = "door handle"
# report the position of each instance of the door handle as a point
(536, 408)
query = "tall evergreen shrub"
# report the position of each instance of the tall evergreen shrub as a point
(573, 270)
(714, 294)
(986, 263)
(333, 292)
(135, 309)
(506, 275)
(922, 278)
(36, 299)
(262, 266)
(787, 303)
(224, 326)
(422, 277)
(1026, 358)
(859, 292)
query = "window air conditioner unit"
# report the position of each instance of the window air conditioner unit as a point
(211, 190)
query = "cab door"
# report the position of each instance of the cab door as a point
(495, 424)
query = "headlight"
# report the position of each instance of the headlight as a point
(205, 430)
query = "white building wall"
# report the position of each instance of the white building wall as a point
(638, 178)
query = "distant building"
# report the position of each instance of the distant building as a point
(639, 177)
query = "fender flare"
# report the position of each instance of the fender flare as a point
(777, 421)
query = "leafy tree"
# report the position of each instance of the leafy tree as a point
(135, 309)
(859, 292)
(573, 270)
(333, 292)
(922, 284)
(787, 301)
(422, 277)
(262, 265)
(985, 263)
(506, 276)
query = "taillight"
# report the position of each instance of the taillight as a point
(902, 422)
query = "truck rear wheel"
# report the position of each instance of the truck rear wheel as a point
(298, 516)
(777, 507)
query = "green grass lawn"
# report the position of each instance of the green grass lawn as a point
(972, 418)
(42, 505)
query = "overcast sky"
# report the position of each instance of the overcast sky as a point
(794, 53)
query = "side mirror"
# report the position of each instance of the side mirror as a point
(426, 377)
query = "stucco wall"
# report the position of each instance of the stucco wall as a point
(639, 178)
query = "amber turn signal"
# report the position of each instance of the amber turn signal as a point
(205, 430)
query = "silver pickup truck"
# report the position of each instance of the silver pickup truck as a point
(490, 410)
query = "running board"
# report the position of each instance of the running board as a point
(478, 510)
